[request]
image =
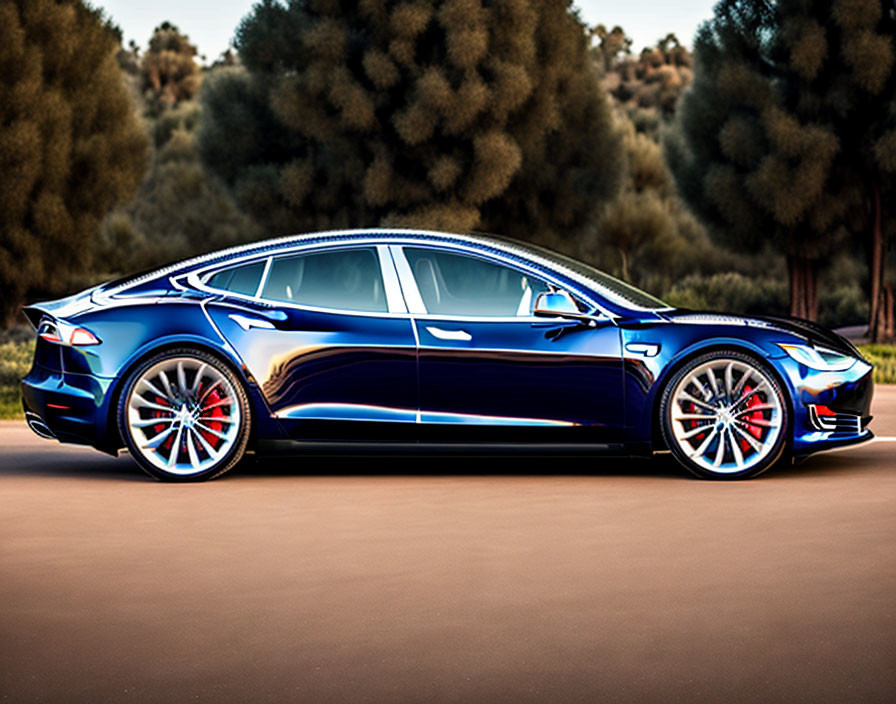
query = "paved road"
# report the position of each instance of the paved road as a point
(542, 580)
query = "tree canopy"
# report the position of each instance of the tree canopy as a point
(70, 147)
(451, 114)
(782, 129)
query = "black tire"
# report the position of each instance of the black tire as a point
(240, 436)
(777, 448)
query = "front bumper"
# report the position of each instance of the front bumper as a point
(831, 409)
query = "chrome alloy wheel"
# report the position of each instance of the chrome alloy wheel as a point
(726, 416)
(183, 416)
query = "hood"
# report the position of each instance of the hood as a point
(813, 333)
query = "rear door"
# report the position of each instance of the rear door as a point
(327, 338)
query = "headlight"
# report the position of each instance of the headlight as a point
(819, 358)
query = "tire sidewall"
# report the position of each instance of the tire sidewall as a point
(226, 463)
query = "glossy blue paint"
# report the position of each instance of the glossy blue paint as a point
(321, 374)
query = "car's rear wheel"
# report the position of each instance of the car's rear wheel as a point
(725, 416)
(184, 416)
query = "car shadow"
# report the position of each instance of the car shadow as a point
(85, 464)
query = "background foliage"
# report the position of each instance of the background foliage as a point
(70, 144)
(731, 178)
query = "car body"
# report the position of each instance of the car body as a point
(386, 337)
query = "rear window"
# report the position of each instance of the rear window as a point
(242, 279)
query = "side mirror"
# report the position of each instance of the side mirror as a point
(557, 304)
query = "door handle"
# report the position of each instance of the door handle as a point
(245, 322)
(449, 334)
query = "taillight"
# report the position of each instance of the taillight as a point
(81, 337)
(62, 333)
(49, 332)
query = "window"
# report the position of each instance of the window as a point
(238, 279)
(348, 279)
(457, 284)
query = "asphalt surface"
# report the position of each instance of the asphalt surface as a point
(429, 579)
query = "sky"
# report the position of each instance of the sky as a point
(210, 24)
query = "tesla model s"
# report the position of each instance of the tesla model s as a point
(379, 339)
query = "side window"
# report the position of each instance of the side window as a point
(457, 284)
(242, 279)
(348, 279)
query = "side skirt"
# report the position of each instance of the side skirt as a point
(303, 447)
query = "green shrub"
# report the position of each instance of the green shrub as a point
(730, 292)
(883, 357)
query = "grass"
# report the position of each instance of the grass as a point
(15, 361)
(16, 354)
(883, 357)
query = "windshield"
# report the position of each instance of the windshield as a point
(611, 287)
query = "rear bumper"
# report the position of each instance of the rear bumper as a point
(70, 407)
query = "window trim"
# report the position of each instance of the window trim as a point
(198, 279)
(418, 309)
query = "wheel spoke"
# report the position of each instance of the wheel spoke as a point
(215, 419)
(158, 392)
(167, 386)
(150, 422)
(712, 382)
(181, 380)
(742, 382)
(694, 431)
(735, 448)
(204, 428)
(751, 441)
(720, 453)
(694, 416)
(158, 439)
(175, 447)
(223, 402)
(702, 389)
(141, 402)
(757, 407)
(687, 397)
(758, 423)
(191, 449)
(729, 380)
(706, 442)
(198, 378)
(212, 453)
(211, 387)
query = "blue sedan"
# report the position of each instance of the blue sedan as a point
(379, 339)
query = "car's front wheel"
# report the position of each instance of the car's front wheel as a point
(184, 416)
(725, 416)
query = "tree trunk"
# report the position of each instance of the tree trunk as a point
(803, 287)
(880, 298)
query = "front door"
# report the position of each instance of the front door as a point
(490, 370)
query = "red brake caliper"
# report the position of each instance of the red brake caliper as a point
(216, 412)
(692, 408)
(754, 430)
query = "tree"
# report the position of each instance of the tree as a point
(70, 144)
(774, 137)
(169, 69)
(452, 114)
(647, 86)
(180, 209)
